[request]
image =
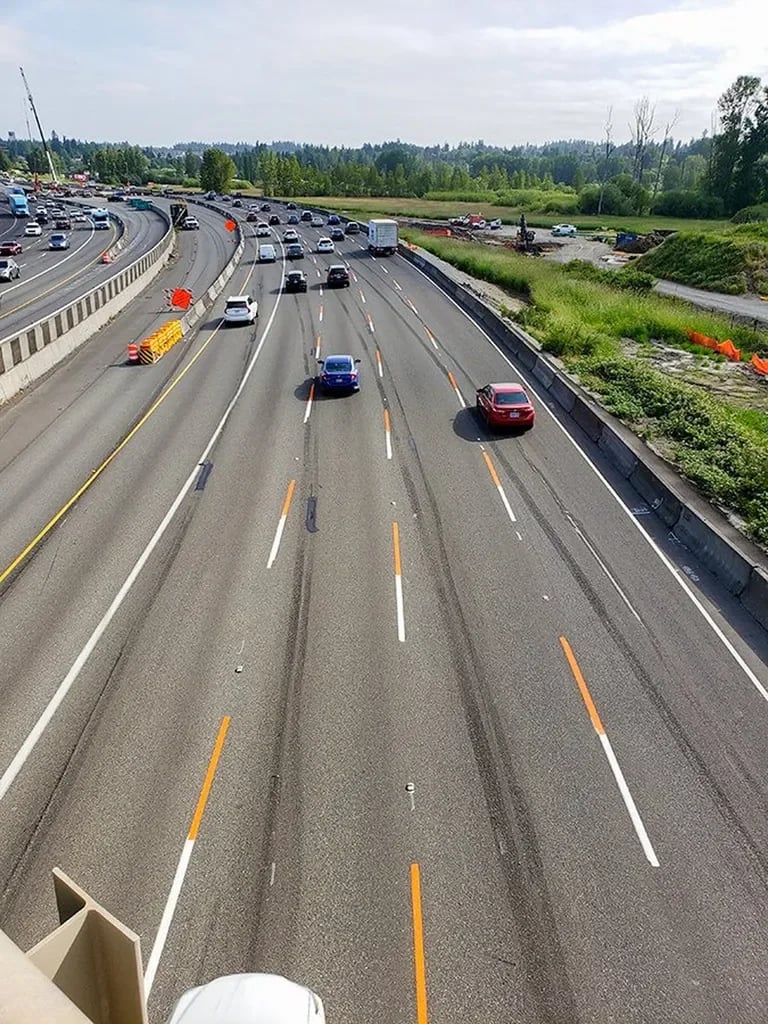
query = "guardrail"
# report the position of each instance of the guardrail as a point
(33, 351)
(727, 554)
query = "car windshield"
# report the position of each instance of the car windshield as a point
(338, 365)
(510, 398)
(4, 264)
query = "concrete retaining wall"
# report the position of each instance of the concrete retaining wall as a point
(34, 351)
(741, 566)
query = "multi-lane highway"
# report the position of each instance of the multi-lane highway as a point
(350, 690)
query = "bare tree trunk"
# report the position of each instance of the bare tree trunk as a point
(609, 148)
(669, 128)
(642, 132)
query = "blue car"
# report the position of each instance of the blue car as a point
(339, 373)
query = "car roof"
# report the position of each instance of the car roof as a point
(239, 298)
(246, 999)
(508, 388)
(342, 356)
(337, 266)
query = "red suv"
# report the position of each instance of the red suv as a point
(505, 405)
(10, 249)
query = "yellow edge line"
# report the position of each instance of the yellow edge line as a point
(288, 496)
(97, 472)
(419, 961)
(202, 800)
(580, 682)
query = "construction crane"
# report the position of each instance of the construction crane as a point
(51, 168)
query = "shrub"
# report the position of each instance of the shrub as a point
(751, 214)
(687, 203)
(724, 263)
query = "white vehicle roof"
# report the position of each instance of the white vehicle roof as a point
(249, 999)
(239, 298)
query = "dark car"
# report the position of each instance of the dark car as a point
(306, 215)
(237, 202)
(63, 224)
(338, 276)
(294, 251)
(295, 281)
(274, 219)
(252, 216)
(339, 373)
(42, 217)
(353, 228)
(506, 406)
(266, 207)
(293, 218)
(10, 249)
(290, 206)
(334, 219)
(337, 234)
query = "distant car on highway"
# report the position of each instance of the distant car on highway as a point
(291, 235)
(338, 277)
(339, 373)
(191, 224)
(267, 254)
(252, 216)
(337, 234)
(32, 229)
(58, 241)
(290, 206)
(306, 216)
(263, 231)
(237, 202)
(294, 251)
(9, 269)
(352, 228)
(317, 221)
(240, 309)
(334, 219)
(80, 218)
(563, 229)
(274, 219)
(295, 281)
(11, 248)
(293, 218)
(63, 224)
(266, 207)
(505, 406)
(325, 245)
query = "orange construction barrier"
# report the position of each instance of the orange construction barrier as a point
(760, 365)
(133, 353)
(729, 350)
(725, 348)
(181, 298)
(106, 256)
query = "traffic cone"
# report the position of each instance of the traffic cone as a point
(133, 353)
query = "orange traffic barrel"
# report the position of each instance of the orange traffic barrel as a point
(133, 353)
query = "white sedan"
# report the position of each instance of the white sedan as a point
(33, 230)
(563, 229)
(317, 221)
(325, 245)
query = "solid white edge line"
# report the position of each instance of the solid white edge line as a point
(308, 410)
(397, 283)
(165, 922)
(400, 608)
(507, 506)
(381, 368)
(617, 498)
(385, 270)
(460, 397)
(362, 297)
(276, 542)
(388, 437)
(18, 761)
(629, 802)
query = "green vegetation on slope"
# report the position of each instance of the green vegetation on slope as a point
(734, 262)
(712, 444)
(580, 310)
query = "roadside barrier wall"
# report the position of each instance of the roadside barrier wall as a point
(32, 352)
(740, 565)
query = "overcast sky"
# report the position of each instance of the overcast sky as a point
(351, 71)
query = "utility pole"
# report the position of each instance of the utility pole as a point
(51, 168)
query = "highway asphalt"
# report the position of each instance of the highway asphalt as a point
(51, 279)
(425, 718)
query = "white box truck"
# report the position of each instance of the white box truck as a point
(382, 237)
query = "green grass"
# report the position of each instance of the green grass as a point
(734, 261)
(722, 450)
(443, 209)
(581, 311)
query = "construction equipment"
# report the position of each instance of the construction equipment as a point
(48, 156)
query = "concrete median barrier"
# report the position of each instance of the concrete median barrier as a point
(740, 566)
(28, 355)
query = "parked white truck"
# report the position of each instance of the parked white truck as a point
(382, 237)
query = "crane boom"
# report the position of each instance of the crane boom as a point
(39, 127)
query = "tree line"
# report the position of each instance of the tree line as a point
(711, 176)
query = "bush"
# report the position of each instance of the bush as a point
(462, 197)
(751, 214)
(723, 263)
(687, 203)
(615, 202)
(725, 457)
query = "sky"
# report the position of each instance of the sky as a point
(352, 71)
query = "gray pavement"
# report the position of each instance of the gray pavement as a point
(541, 901)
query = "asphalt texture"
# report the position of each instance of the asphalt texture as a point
(557, 729)
(51, 279)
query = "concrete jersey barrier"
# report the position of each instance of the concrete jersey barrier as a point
(32, 352)
(740, 565)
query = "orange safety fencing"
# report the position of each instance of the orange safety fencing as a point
(725, 348)
(760, 365)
